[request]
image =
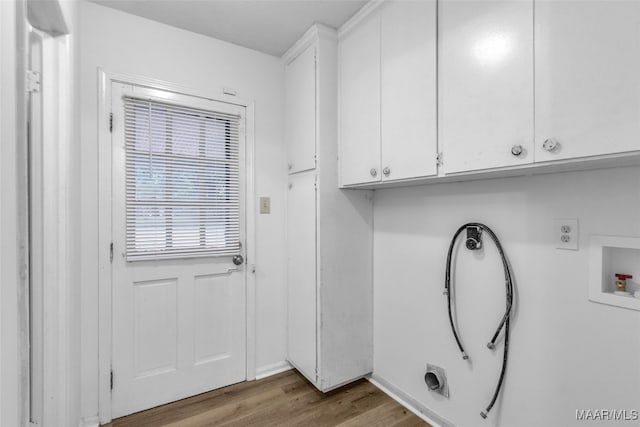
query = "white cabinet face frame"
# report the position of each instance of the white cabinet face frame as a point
(359, 103)
(300, 103)
(105, 80)
(408, 90)
(485, 86)
(586, 79)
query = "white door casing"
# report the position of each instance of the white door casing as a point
(178, 325)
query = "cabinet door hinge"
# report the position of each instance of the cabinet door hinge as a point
(111, 252)
(439, 159)
(110, 122)
(32, 81)
(111, 380)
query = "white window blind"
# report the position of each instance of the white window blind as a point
(182, 181)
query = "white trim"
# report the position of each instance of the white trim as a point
(273, 369)
(313, 34)
(105, 80)
(89, 422)
(250, 221)
(409, 402)
(359, 16)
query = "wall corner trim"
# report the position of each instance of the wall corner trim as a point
(92, 421)
(315, 32)
(273, 369)
(360, 15)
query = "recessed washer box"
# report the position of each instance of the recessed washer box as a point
(610, 255)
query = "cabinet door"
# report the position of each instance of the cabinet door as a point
(300, 108)
(485, 83)
(301, 273)
(587, 77)
(359, 121)
(408, 85)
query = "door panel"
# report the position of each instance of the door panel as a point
(178, 324)
(300, 107)
(485, 83)
(301, 274)
(212, 307)
(587, 68)
(408, 100)
(360, 104)
(155, 337)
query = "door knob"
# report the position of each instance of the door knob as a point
(373, 172)
(386, 171)
(517, 150)
(238, 259)
(550, 145)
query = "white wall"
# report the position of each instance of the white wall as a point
(125, 43)
(566, 352)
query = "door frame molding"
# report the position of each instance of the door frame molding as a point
(105, 80)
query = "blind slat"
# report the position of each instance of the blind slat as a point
(182, 181)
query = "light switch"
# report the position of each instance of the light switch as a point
(265, 205)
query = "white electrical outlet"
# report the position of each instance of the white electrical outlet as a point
(565, 233)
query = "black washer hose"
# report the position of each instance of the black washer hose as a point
(504, 323)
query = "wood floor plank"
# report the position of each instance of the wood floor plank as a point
(286, 399)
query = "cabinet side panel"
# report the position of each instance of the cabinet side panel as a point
(345, 227)
(346, 297)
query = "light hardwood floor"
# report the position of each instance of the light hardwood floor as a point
(286, 399)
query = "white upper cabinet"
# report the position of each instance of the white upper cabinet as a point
(300, 107)
(408, 87)
(485, 84)
(587, 78)
(359, 123)
(388, 94)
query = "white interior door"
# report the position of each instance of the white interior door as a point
(178, 308)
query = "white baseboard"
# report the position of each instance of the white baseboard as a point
(408, 402)
(274, 368)
(90, 421)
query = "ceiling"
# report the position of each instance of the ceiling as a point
(269, 26)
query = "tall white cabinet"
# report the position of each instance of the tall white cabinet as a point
(329, 237)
